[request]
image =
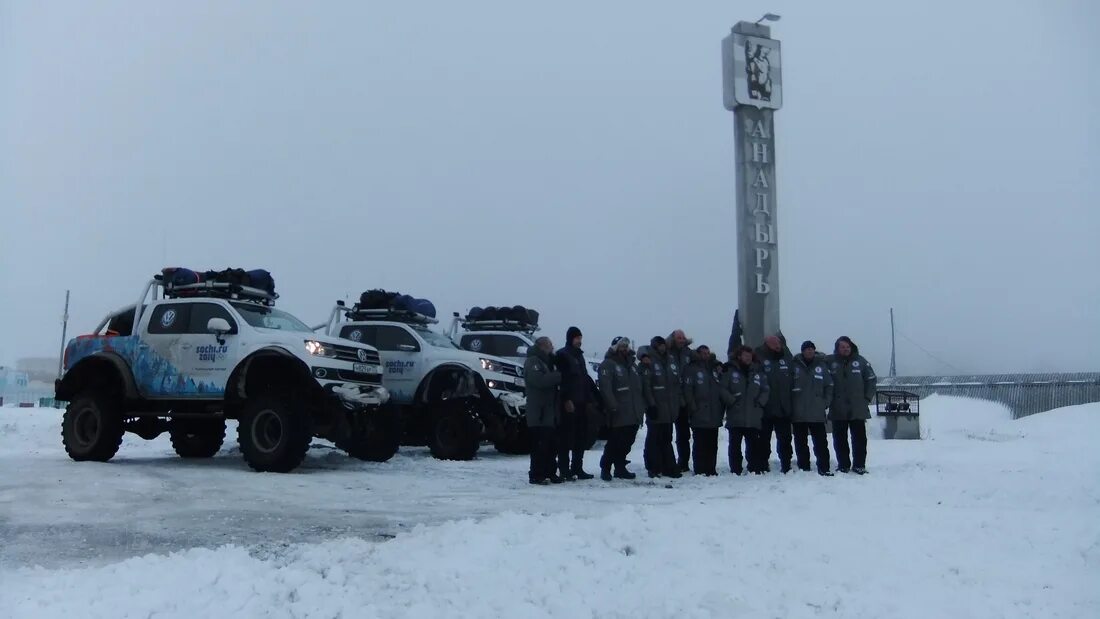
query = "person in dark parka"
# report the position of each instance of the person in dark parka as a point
(702, 394)
(542, 410)
(776, 360)
(663, 390)
(681, 355)
(811, 393)
(745, 393)
(624, 407)
(577, 402)
(854, 384)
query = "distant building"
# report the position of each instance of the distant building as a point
(40, 369)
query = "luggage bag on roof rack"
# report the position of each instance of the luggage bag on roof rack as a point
(254, 278)
(378, 299)
(517, 314)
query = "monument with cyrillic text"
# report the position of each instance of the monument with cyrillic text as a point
(753, 91)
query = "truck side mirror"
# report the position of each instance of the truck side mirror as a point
(219, 327)
(522, 351)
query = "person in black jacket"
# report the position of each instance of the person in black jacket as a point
(578, 401)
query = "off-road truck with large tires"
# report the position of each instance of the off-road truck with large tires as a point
(212, 346)
(449, 399)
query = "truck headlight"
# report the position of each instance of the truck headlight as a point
(491, 366)
(318, 349)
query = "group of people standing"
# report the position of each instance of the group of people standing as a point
(685, 395)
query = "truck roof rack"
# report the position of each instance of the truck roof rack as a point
(217, 290)
(355, 313)
(498, 325)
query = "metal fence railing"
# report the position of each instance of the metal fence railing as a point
(1024, 394)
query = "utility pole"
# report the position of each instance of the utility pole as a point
(893, 348)
(64, 334)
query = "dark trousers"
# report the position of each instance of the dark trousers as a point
(543, 445)
(620, 440)
(659, 457)
(571, 431)
(751, 437)
(683, 438)
(802, 448)
(858, 429)
(705, 454)
(782, 429)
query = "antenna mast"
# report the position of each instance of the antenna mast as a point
(64, 334)
(893, 348)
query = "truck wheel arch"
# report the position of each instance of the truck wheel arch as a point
(461, 380)
(273, 361)
(106, 369)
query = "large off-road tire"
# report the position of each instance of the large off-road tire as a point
(515, 440)
(455, 432)
(92, 427)
(377, 439)
(274, 433)
(196, 438)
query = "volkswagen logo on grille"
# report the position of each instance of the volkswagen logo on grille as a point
(363, 355)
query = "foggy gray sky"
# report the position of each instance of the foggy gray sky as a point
(940, 157)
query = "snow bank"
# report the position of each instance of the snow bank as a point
(717, 559)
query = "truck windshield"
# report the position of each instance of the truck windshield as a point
(269, 318)
(435, 339)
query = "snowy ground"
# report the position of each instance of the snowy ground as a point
(987, 518)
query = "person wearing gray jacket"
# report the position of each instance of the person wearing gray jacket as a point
(624, 407)
(854, 384)
(680, 356)
(811, 393)
(745, 393)
(703, 400)
(543, 382)
(663, 390)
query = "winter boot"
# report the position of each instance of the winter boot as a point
(825, 473)
(622, 473)
(539, 482)
(605, 473)
(554, 479)
(859, 470)
(581, 475)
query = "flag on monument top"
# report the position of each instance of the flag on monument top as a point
(736, 333)
(783, 342)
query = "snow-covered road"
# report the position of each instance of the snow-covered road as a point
(987, 518)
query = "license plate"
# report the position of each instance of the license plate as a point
(362, 368)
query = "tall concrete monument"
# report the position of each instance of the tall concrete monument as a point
(753, 91)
